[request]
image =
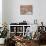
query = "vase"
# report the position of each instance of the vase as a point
(2, 40)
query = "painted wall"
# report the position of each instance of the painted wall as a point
(11, 10)
(4, 11)
(42, 12)
(0, 13)
(16, 11)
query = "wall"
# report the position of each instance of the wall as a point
(0, 13)
(12, 11)
(4, 11)
(28, 18)
(42, 12)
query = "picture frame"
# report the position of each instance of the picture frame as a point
(26, 9)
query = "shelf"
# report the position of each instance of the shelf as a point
(19, 32)
(23, 25)
(16, 32)
(12, 32)
(20, 29)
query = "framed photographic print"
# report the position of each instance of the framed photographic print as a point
(25, 9)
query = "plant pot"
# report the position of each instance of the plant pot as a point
(2, 40)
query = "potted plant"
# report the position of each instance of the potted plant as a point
(3, 34)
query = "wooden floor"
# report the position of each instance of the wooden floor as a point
(42, 45)
(33, 45)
